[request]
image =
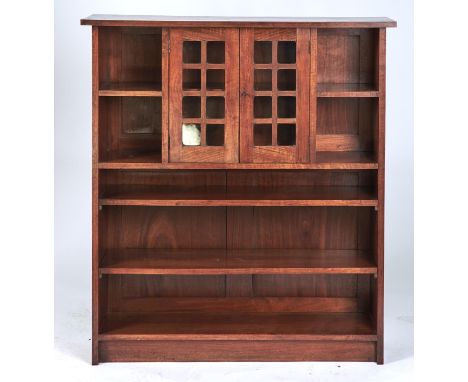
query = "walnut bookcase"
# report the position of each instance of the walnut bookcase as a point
(238, 188)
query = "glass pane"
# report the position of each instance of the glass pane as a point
(215, 79)
(262, 52)
(214, 135)
(191, 107)
(262, 135)
(191, 79)
(141, 115)
(286, 79)
(191, 53)
(262, 79)
(262, 107)
(191, 134)
(214, 107)
(286, 52)
(215, 52)
(286, 107)
(286, 134)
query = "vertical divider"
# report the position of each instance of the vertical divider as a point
(203, 93)
(246, 94)
(165, 95)
(95, 196)
(303, 94)
(175, 95)
(274, 93)
(313, 95)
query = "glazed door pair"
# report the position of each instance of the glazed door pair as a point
(235, 95)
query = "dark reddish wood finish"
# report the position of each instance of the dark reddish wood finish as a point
(238, 252)
(245, 22)
(228, 152)
(248, 351)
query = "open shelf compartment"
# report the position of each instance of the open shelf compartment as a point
(130, 61)
(237, 273)
(130, 127)
(238, 188)
(346, 63)
(347, 127)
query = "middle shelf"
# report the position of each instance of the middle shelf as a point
(244, 196)
(235, 261)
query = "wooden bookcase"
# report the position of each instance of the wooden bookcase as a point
(238, 188)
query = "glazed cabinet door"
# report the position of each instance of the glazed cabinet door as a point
(204, 95)
(274, 95)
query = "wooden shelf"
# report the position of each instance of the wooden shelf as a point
(238, 326)
(130, 89)
(344, 160)
(346, 90)
(246, 196)
(234, 261)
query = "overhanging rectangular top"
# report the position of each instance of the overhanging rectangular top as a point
(258, 22)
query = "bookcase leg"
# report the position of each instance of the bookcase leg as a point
(95, 353)
(380, 352)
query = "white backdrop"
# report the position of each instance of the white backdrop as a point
(73, 190)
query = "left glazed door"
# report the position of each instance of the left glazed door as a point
(204, 95)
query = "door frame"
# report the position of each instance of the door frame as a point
(274, 154)
(228, 153)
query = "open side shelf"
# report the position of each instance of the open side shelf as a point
(346, 90)
(128, 89)
(235, 261)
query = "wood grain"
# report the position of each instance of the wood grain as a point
(331, 160)
(240, 304)
(245, 196)
(246, 22)
(247, 351)
(241, 326)
(248, 261)
(244, 251)
(228, 153)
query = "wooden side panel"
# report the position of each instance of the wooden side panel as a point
(95, 197)
(249, 351)
(381, 195)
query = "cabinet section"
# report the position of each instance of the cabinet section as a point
(347, 60)
(130, 128)
(130, 60)
(204, 95)
(274, 95)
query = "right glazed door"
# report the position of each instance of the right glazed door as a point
(274, 95)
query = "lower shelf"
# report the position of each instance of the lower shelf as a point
(238, 326)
